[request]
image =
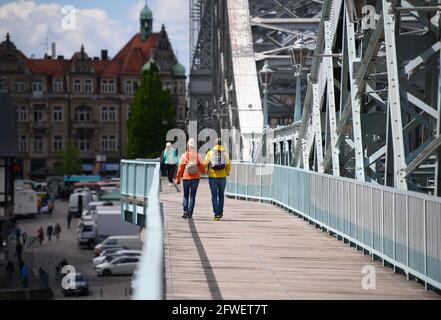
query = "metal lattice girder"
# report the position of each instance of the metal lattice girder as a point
(387, 77)
(276, 27)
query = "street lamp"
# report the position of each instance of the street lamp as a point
(299, 54)
(265, 76)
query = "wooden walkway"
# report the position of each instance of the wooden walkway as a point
(259, 251)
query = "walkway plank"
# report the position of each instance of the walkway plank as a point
(259, 251)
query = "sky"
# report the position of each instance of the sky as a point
(98, 24)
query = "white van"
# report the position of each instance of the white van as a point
(129, 242)
(79, 201)
(25, 202)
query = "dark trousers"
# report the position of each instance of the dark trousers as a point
(217, 188)
(189, 201)
(171, 172)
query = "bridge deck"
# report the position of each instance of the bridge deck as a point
(259, 251)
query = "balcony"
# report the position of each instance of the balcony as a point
(85, 125)
(40, 126)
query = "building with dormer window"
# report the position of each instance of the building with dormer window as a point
(84, 99)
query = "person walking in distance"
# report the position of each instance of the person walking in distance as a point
(40, 235)
(19, 250)
(57, 231)
(17, 234)
(10, 269)
(24, 275)
(24, 237)
(219, 166)
(69, 219)
(170, 160)
(190, 168)
(49, 232)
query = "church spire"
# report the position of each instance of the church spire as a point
(146, 21)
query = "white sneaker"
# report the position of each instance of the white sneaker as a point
(170, 184)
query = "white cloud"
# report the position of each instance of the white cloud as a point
(30, 23)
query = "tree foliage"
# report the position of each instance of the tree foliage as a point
(68, 161)
(152, 115)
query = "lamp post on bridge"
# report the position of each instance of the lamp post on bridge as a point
(299, 53)
(265, 76)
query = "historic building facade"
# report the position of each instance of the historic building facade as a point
(84, 99)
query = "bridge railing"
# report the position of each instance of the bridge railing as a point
(140, 186)
(401, 228)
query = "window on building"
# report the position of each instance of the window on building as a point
(82, 114)
(22, 114)
(58, 114)
(3, 85)
(88, 86)
(23, 143)
(108, 86)
(37, 87)
(83, 143)
(135, 85)
(58, 85)
(77, 86)
(38, 144)
(19, 86)
(58, 143)
(108, 143)
(129, 87)
(112, 86)
(38, 113)
(108, 114)
(175, 87)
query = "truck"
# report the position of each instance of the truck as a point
(25, 202)
(107, 222)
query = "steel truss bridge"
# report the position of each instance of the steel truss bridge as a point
(371, 90)
(363, 165)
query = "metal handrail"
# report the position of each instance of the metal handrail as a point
(399, 227)
(149, 273)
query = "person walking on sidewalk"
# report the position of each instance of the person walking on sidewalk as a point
(40, 235)
(19, 250)
(24, 275)
(219, 166)
(57, 231)
(170, 160)
(10, 269)
(24, 237)
(190, 168)
(49, 232)
(17, 234)
(69, 219)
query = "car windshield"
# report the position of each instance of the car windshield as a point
(87, 228)
(110, 242)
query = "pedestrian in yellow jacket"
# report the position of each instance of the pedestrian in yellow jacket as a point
(218, 163)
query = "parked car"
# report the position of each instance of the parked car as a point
(110, 251)
(79, 287)
(131, 242)
(89, 213)
(120, 253)
(118, 266)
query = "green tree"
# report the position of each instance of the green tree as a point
(152, 115)
(68, 161)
